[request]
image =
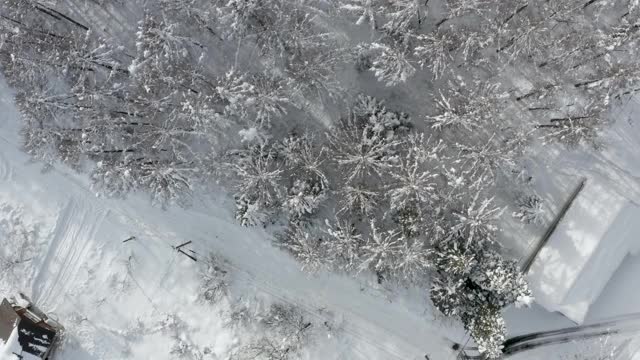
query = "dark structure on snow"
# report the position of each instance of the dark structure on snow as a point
(28, 330)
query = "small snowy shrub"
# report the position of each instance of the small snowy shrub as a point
(214, 283)
(285, 331)
(18, 247)
(530, 209)
(304, 245)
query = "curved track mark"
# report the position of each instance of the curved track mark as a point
(6, 171)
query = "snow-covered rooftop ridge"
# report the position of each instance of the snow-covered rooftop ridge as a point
(585, 250)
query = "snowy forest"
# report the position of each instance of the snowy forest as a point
(386, 137)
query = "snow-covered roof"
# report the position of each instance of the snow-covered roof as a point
(583, 253)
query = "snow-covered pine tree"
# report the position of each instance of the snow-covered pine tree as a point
(257, 181)
(268, 99)
(403, 16)
(285, 330)
(458, 8)
(361, 153)
(435, 51)
(168, 182)
(477, 222)
(304, 160)
(164, 63)
(116, 179)
(289, 35)
(66, 77)
(365, 142)
(412, 260)
(365, 11)
(44, 143)
(412, 185)
(364, 146)
(305, 244)
(474, 283)
(372, 113)
(397, 22)
(528, 31)
(343, 245)
(487, 328)
(380, 250)
(359, 199)
(466, 108)
(257, 19)
(391, 64)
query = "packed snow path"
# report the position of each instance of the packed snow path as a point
(84, 248)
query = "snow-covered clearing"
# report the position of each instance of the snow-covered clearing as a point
(137, 300)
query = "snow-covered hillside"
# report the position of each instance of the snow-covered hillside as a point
(64, 247)
(301, 179)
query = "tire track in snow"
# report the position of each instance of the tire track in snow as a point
(81, 241)
(73, 235)
(6, 171)
(61, 224)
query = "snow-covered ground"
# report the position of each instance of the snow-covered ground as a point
(599, 230)
(64, 248)
(590, 243)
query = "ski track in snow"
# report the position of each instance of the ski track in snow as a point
(6, 171)
(39, 281)
(72, 239)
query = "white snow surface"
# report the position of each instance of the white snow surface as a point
(135, 300)
(598, 231)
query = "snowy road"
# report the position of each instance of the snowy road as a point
(85, 255)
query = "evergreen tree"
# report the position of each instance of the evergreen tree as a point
(257, 181)
(474, 283)
(344, 244)
(412, 189)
